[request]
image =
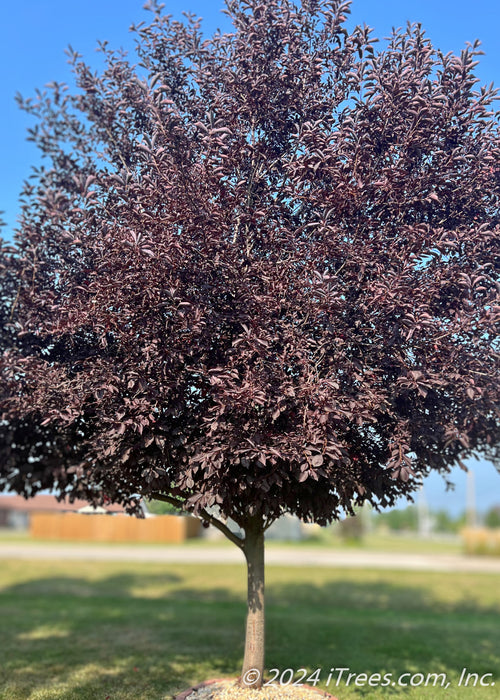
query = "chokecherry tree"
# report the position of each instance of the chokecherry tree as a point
(257, 274)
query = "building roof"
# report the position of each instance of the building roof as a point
(48, 503)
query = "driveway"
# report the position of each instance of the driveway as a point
(275, 555)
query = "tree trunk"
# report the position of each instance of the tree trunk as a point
(253, 662)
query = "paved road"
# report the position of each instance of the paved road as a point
(285, 556)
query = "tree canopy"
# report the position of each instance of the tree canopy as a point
(257, 271)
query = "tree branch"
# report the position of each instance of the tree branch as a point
(238, 541)
(204, 515)
(268, 522)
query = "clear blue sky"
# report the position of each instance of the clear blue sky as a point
(36, 32)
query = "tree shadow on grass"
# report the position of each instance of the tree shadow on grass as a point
(80, 639)
(384, 625)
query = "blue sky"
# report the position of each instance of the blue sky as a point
(36, 32)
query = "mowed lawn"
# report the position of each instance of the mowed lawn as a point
(119, 631)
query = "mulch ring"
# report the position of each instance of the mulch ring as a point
(228, 689)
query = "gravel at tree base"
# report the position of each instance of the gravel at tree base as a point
(229, 689)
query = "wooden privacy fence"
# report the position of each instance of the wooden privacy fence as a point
(113, 528)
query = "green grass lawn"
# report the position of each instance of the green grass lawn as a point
(119, 631)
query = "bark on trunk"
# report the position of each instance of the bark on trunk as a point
(253, 662)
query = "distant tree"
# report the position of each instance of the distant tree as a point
(162, 508)
(492, 517)
(445, 522)
(351, 529)
(256, 272)
(399, 519)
